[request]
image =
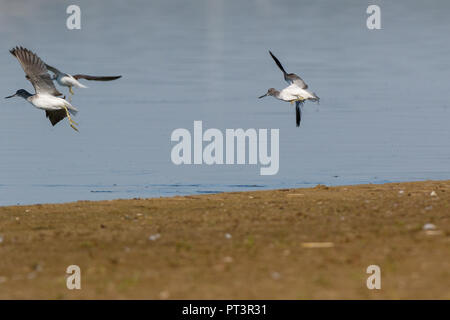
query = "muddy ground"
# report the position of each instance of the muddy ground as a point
(286, 244)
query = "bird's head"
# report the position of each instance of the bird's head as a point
(20, 93)
(270, 92)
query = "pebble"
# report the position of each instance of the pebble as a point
(228, 259)
(1, 238)
(228, 236)
(317, 245)
(433, 194)
(154, 237)
(164, 295)
(429, 226)
(276, 275)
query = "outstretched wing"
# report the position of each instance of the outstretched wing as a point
(99, 78)
(290, 78)
(53, 69)
(278, 63)
(55, 116)
(36, 71)
(298, 112)
(295, 79)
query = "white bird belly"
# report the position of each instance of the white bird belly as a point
(290, 93)
(294, 92)
(67, 81)
(49, 102)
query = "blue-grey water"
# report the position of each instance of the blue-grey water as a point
(384, 113)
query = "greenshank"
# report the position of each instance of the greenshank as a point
(296, 91)
(68, 80)
(46, 96)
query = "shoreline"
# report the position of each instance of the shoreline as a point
(256, 189)
(293, 243)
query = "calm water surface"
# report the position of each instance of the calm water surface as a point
(384, 113)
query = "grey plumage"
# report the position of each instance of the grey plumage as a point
(36, 71)
(289, 77)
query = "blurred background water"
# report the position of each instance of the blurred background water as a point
(384, 113)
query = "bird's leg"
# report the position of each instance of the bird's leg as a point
(71, 93)
(72, 123)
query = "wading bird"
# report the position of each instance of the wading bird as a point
(290, 94)
(46, 96)
(67, 80)
(296, 91)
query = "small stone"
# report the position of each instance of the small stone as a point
(295, 195)
(228, 236)
(433, 194)
(154, 237)
(312, 245)
(1, 238)
(429, 226)
(164, 295)
(37, 267)
(228, 259)
(401, 192)
(275, 275)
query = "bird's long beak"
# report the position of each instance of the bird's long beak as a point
(264, 95)
(10, 96)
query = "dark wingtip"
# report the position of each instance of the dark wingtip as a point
(14, 50)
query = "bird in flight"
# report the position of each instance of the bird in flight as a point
(290, 94)
(67, 80)
(46, 96)
(296, 91)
